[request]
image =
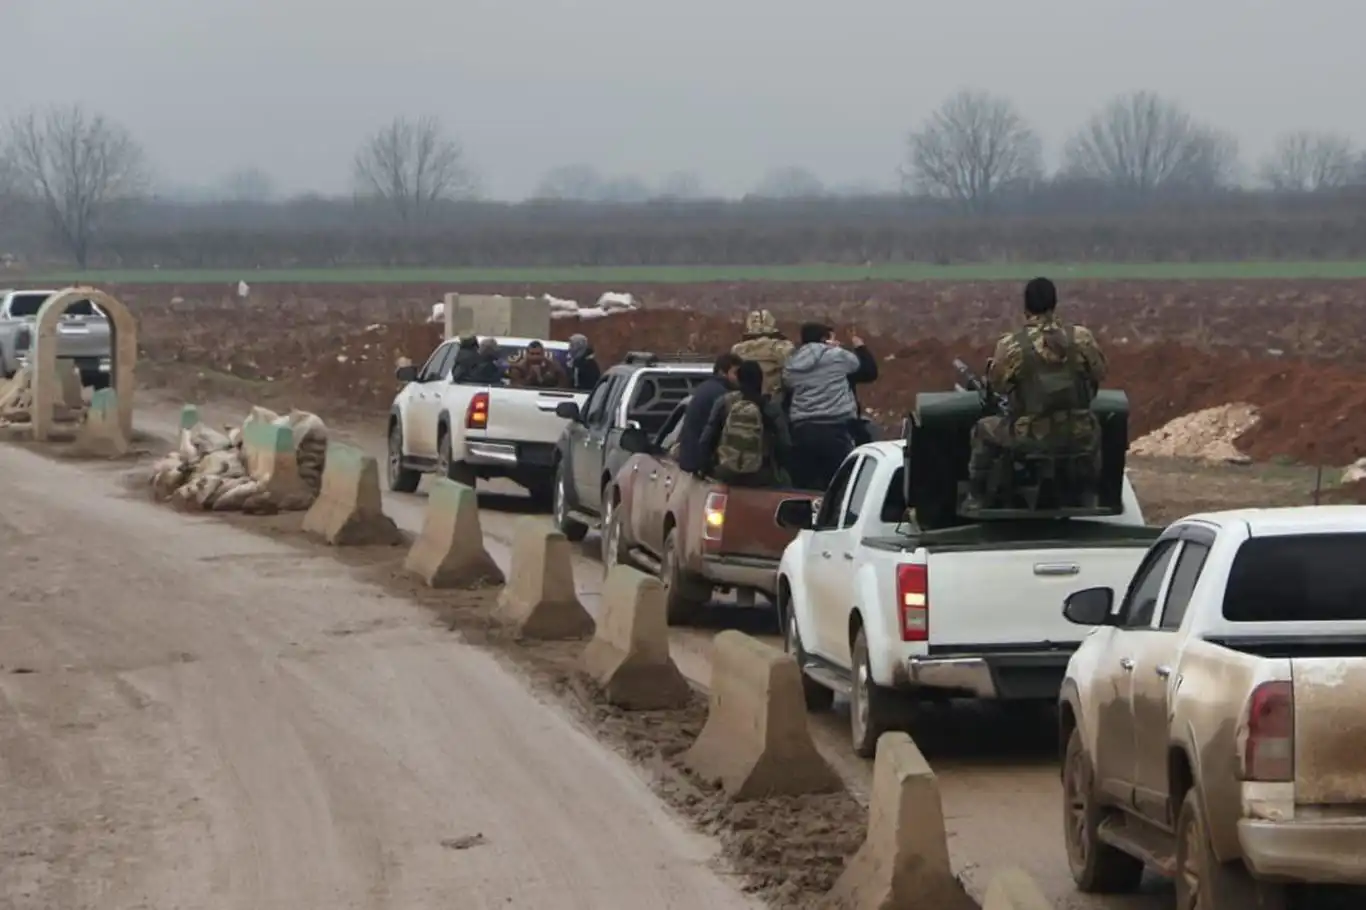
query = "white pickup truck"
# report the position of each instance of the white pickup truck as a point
(1214, 723)
(871, 604)
(467, 431)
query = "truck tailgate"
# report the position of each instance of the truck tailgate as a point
(751, 527)
(1330, 738)
(83, 336)
(1015, 596)
(527, 415)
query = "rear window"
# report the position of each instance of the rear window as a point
(1311, 578)
(26, 305)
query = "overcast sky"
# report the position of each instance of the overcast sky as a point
(726, 88)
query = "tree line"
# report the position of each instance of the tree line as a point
(1140, 179)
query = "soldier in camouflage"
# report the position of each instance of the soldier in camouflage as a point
(765, 345)
(1049, 372)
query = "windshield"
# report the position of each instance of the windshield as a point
(1306, 578)
(27, 305)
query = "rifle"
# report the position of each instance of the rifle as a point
(968, 381)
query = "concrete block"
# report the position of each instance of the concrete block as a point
(47, 384)
(629, 654)
(756, 741)
(449, 553)
(348, 510)
(70, 379)
(270, 458)
(1014, 889)
(100, 434)
(540, 600)
(904, 861)
(494, 314)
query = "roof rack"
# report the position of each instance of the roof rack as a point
(649, 358)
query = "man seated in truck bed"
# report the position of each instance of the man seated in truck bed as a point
(746, 441)
(536, 369)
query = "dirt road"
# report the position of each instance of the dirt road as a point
(190, 716)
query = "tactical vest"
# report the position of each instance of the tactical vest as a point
(740, 449)
(1043, 388)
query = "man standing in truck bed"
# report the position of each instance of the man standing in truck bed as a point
(1050, 373)
(766, 346)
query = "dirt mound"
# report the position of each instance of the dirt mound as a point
(1207, 435)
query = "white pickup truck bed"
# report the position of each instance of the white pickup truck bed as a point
(871, 605)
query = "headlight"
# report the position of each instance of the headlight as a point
(22, 339)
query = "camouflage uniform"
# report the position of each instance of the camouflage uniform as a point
(766, 347)
(1044, 344)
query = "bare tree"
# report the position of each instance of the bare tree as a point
(571, 183)
(411, 166)
(974, 145)
(1305, 162)
(75, 166)
(790, 183)
(680, 185)
(1141, 142)
(248, 184)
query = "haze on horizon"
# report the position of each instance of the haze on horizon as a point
(726, 90)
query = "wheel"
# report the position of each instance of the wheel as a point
(870, 705)
(559, 507)
(683, 596)
(453, 470)
(612, 551)
(1097, 867)
(818, 697)
(1204, 883)
(401, 479)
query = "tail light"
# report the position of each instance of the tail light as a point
(913, 601)
(477, 412)
(714, 516)
(1269, 751)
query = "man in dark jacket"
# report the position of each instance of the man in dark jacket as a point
(466, 356)
(485, 368)
(860, 429)
(584, 371)
(691, 457)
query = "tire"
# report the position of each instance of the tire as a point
(559, 509)
(453, 470)
(817, 697)
(612, 551)
(684, 597)
(870, 705)
(401, 479)
(1097, 867)
(1201, 877)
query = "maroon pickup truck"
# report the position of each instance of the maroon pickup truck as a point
(699, 535)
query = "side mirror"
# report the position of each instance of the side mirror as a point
(795, 514)
(635, 441)
(569, 410)
(1089, 607)
(406, 374)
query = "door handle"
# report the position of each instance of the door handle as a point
(1127, 663)
(635, 468)
(654, 474)
(1162, 670)
(825, 554)
(668, 481)
(849, 556)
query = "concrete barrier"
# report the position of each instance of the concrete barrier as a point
(1014, 889)
(629, 654)
(756, 741)
(269, 456)
(100, 434)
(449, 553)
(348, 512)
(539, 600)
(494, 314)
(904, 861)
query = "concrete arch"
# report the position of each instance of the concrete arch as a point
(123, 355)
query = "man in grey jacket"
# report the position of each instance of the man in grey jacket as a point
(822, 406)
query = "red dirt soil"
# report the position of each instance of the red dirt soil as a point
(1292, 349)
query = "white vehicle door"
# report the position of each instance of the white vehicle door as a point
(823, 571)
(424, 402)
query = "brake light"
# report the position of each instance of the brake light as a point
(714, 516)
(913, 601)
(477, 412)
(1269, 750)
